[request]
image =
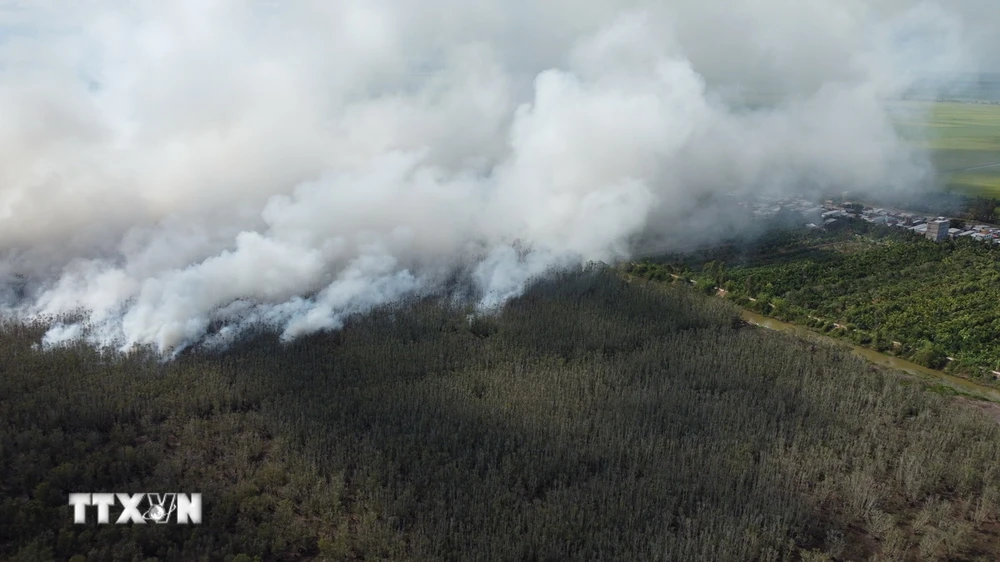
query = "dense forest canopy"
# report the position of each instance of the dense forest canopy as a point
(591, 418)
(883, 287)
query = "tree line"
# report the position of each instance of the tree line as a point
(883, 287)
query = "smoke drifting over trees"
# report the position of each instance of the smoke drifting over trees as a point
(176, 171)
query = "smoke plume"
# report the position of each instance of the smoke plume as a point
(172, 172)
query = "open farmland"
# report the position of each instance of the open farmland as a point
(964, 140)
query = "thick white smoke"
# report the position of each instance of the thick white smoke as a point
(171, 172)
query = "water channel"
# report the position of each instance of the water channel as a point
(964, 385)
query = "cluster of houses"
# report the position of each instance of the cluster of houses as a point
(937, 228)
(821, 216)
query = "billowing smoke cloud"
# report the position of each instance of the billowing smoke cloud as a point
(176, 171)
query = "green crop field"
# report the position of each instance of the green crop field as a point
(964, 140)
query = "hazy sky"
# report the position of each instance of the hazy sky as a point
(169, 165)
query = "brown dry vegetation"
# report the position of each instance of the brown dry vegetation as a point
(590, 419)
